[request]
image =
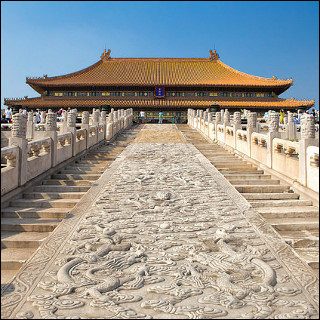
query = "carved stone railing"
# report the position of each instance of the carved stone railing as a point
(9, 168)
(81, 140)
(313, 168)
(24, 160)
(295, 157)
(220, 132)
(39, 157)
(229, 136)
(259, 147)
(242, 141)
(64, 147)
(285, 157)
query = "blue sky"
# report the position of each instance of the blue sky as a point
(262, 38)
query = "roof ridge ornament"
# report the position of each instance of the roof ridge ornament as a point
(105, 55)
(213, 55)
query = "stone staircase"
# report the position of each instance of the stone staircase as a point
(296, 220)
(26, 222)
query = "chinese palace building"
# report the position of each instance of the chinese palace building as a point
(169, 85)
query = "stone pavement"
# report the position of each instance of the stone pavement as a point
(163, 235)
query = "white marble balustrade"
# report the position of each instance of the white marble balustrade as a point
(279, 147)
(24, 160)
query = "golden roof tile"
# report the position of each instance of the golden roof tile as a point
(159, 72)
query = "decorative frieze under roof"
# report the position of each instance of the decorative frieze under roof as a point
(165, 103)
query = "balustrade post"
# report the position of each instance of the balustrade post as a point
(308, 138)
(226, 122)
(103, 117)
(119, 120)
(51, 132)
(273, 132)
(95, 117)
(200, 120)
(222, 116)
(64, 118)
(85, 125)
(18, 138)
(30, 126)
(252, 126)
(103, 120)
(236, 126)
(71, 127)
(43, 117)
(131, 116)
(217, 121)
(203, 122)
(122, 118)
(109, 128)
(291, 128)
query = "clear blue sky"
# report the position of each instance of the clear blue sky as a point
(262, 38)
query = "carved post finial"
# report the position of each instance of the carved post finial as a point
(273, 122)
(237, 117)
(85, 117)
(308, 127)
(19, 125)
(51, 121)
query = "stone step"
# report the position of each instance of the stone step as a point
(266, 182)
(280, 203)
(29, 224)
(81, 171)
(61, 188)
(68, 183)
(236, 172)
(228, 164)
(86, 167)
(270, 196)
(241, 168)
(100, 158)
(53, 195)
(14, 258)
(294, 224)
(310, 255)
(301, 238)
(225, 158)
(6, 276)
(14, 239)
(218, 155)
(70, 176)
(262, 188)
(289, 212)
(247, 176)
(44, 203)
(93, 162)
(107, 152)
(31, 212)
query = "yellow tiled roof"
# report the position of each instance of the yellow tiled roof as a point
(159, 72)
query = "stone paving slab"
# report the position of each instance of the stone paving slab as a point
(163, 235)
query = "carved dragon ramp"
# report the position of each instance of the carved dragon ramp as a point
(164, 237)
